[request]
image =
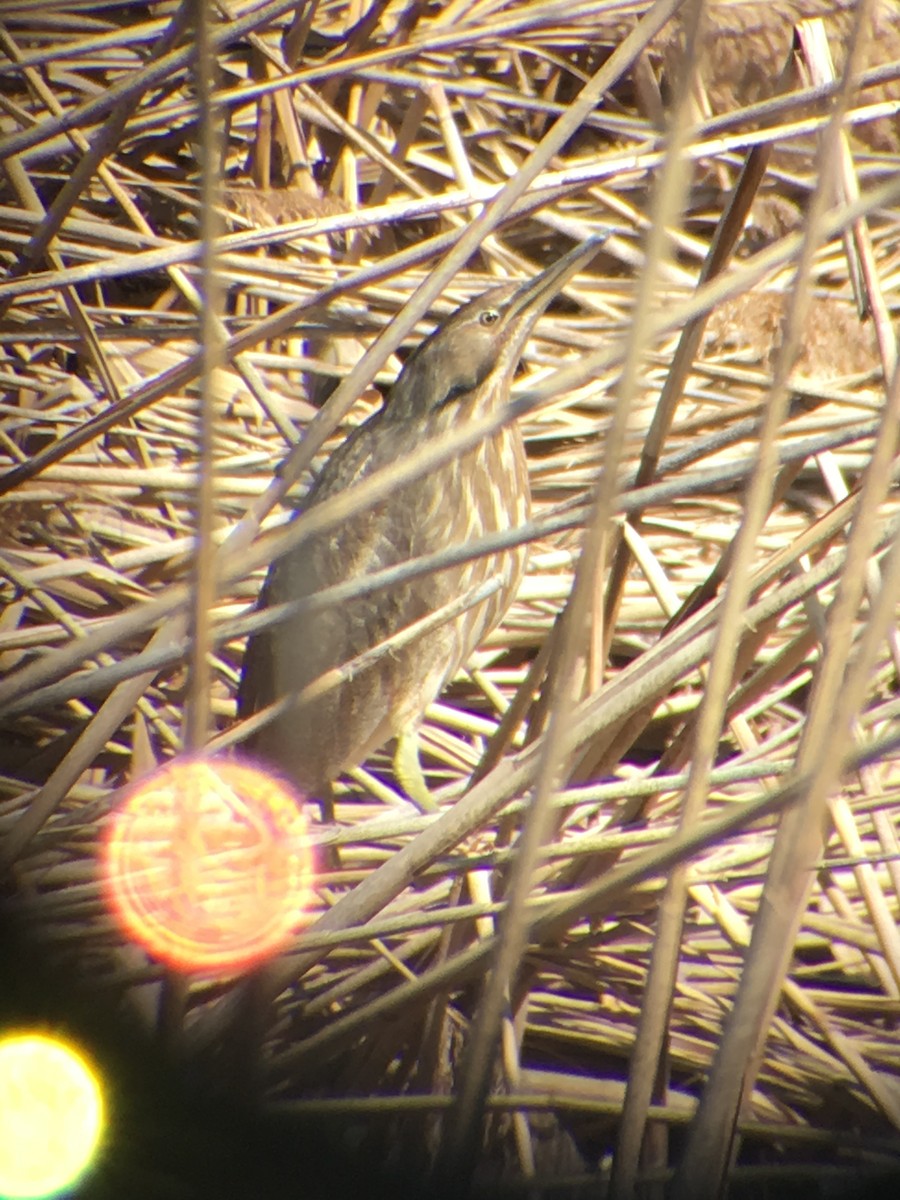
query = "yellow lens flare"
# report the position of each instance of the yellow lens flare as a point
(208, 865)
(51, 1115)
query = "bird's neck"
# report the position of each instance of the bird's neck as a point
(451, 411)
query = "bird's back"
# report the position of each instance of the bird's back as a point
(314, 741)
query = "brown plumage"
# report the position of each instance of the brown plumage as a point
(463, 370)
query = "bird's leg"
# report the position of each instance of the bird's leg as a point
(408, 770)
(326, 803)
(332, 857)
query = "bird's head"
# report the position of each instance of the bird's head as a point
(479, 345)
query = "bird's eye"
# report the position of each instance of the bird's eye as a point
(490, 316)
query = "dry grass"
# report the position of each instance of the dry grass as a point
(712, 759)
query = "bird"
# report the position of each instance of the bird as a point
(460, 372)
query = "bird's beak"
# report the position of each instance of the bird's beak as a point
(536, 294)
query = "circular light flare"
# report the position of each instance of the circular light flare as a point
(52, 1115)
(208, 865)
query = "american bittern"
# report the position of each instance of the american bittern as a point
(463, 370)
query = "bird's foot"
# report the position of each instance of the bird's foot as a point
(408, 771)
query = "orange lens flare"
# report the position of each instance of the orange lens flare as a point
(208, 865)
